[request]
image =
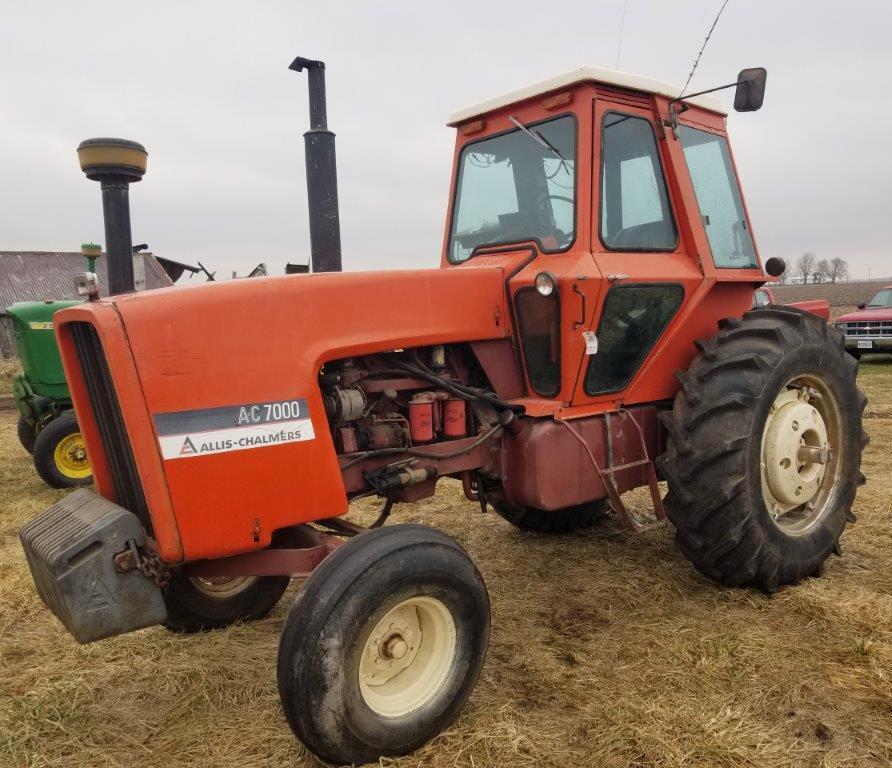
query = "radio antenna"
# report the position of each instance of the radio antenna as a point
(703, 48)
(622, 26)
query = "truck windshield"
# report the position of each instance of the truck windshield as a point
(511, 188)
(882, 298)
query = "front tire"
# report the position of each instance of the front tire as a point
(27, 434)
(383, 645)
(753, 498)
(60, 453)
(196, 604)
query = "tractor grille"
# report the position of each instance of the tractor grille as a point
(107, 413)
(873, 329)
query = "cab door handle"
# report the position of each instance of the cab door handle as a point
(577, 323)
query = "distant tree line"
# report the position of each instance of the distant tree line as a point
(810, 269)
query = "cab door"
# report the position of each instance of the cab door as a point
(647, 276)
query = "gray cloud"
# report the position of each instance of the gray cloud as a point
(205, 87)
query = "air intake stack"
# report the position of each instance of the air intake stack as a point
(115, 164)
(322, 174)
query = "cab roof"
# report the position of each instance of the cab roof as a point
(584, 75)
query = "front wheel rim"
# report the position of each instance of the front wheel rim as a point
(801, 456)
(407, 657)
(70, 457)
(222, 587)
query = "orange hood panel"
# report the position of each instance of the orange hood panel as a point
(255, 342)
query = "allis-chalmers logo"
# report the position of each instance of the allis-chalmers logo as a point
(188, 447)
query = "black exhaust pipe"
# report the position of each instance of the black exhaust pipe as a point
(322, 174)
(115, 164)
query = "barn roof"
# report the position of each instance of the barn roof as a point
(39, 275)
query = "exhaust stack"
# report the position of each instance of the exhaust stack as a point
(115, 164)
(322, 174)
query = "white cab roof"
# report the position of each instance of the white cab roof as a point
(581, 75)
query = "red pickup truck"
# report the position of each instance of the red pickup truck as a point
(870, 328)
(764, 296)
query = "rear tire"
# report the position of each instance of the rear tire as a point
(564, 520)
(27, 434)
(60, 454)
(383, 645)
(199, 604)
(746, 396)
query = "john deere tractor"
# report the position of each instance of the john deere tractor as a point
(48, 428)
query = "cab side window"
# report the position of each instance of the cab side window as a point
(635, 211)
(633, 318)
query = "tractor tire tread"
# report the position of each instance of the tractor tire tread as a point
(713, 433)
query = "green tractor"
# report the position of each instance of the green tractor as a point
(48, 428)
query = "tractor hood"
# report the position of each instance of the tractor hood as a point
(179, 360)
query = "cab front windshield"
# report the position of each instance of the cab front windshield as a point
(513, 188)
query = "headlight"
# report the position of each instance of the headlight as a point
(87, 285)
(545, 283)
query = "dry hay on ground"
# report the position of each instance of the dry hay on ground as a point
(607, 650)
(9, 367)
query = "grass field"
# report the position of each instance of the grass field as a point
(607, 649)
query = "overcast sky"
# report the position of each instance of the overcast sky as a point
(205, 87)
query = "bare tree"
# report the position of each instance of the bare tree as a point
(839, 270)
(822, 271)
(805, 265)
(784, 277)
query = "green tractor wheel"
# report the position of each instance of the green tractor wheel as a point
(60, 453)
(27, 434)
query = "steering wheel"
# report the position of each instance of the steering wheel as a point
(539, 211)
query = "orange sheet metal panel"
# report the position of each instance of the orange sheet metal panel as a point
(256, 342)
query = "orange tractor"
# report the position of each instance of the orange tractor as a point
(589, 332)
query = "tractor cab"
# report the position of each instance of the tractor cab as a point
(618, 209)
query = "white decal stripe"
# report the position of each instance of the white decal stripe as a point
(242, 438)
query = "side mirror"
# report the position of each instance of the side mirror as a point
(750, 91)
(862, 305)
(775, 266)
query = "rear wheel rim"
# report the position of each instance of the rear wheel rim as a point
(70, 457)
(801, 455)
(222, 587)
(407, 657)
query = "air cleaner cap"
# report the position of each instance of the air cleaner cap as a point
(112, 157)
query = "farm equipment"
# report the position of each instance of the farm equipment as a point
(589, 332)
(47, 427)
(869, 330)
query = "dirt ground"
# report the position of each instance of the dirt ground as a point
(607, 649)
(843, 297)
